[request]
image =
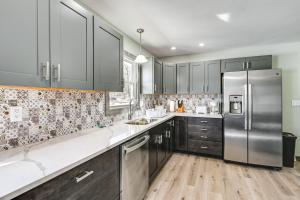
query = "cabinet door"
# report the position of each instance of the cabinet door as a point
(161, 147)
(233, 64)
(169, 138)
(169, 79)
(24, 39)
(71, 45)
(213, 76)
(102, 183)
(152, 155)
(259, 62)
(183, 78)
(180, 134)
(157, 77)
(108, 57)
(197, 78)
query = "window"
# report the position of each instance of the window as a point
(130, 94)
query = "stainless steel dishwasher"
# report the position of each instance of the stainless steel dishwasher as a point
(135, 168)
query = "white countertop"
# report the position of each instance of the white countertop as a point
(24, 168)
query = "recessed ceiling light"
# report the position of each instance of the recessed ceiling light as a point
(201, 44)
(224, 17)
(173, 48)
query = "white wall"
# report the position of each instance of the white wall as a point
(286, 57)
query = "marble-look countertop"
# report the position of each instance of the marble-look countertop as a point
(24, 168)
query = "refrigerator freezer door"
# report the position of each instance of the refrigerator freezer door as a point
(265, 118)
(235, 124)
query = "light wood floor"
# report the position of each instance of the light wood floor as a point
(188, 177)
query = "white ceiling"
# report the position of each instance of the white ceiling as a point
(186, 23)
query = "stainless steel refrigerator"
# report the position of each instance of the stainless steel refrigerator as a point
(253, 117)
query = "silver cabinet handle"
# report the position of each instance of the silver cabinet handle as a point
(207, 87)
(56, 73)
(248, 65)
(203, 121)
(203, 88)
(250, 106)
(86, 174)
(155, 88)
(46, 71)
(202, 136)
(245, 107)
(203, 147)
(203, 129)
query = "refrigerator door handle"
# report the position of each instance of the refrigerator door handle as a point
(246, 106)
(250, 106)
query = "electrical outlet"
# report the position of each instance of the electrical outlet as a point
(15, 114)
(2, 139)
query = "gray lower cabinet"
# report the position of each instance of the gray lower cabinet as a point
(151, 77)
(197, 78)
(213, 76)
(183, 78)
(205, 136)
(248, 63)
(108, 57)
(169, 79)
(102, 183)
(24, 39)
(71, 49)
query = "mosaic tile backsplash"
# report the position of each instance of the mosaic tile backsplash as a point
(190, 101)
(47, 114)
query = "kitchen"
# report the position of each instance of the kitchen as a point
(107, 99)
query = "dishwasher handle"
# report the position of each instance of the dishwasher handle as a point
(128, 150)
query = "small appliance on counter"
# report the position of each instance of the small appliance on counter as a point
(201, 110)
(172, 106)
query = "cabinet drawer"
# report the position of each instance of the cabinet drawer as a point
(205, 133)
(205, 147)
(215, 122)
(103, 183)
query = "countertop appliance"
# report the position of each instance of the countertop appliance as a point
(253, 117)
(135, 169)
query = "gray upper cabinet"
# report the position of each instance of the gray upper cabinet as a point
(197, 78)
(183, 78)
(233, 64)
(71, 49)
(108, 57)
(151, 77)
(158, 79)
(248, 63)
(169, 79)
(24, 39)
(259, 62)
(213, 76)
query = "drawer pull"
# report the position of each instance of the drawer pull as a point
(203, 121)
(84, 176)
(203, 129)
(202, 136)
(204, 147)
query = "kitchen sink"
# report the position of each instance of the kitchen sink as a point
(141, 121)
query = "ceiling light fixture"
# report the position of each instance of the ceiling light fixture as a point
(173, 48)
(201, 44)
(224, 17)
(140, 58)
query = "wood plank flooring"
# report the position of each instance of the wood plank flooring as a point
(189, 177)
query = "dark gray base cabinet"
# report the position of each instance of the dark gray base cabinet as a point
(205, 136)
(160, 147)
(199, 135)
(104, 183)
